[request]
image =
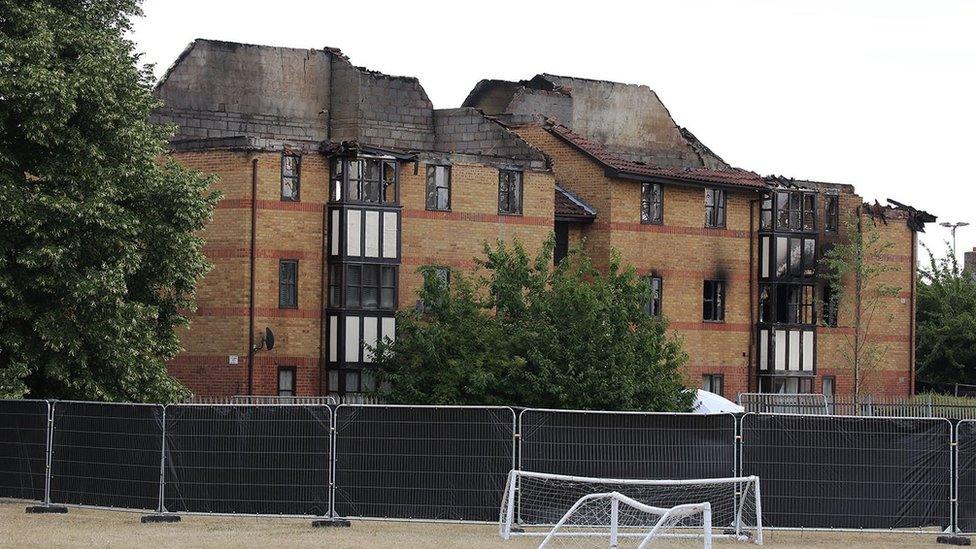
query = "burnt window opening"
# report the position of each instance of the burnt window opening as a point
(652, 204)
(371, 286)
(288, 284)
(286, 381)
(439, 188)
(509, 192)
(795, 257)
(366, 180)
(715, 208)
(713, 301)
(796, 211)
(714, 383)
(653, 305)
(766, 213)
(831, 213)
(291, 169)
(829, 305)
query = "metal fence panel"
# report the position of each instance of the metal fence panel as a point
(627, 444)
(248, 459)
(23, 448)
(849, 472)
(106, 454)
(422, 462)
(966, 476)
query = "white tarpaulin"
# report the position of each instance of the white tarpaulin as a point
(710, 403)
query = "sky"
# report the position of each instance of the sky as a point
(878, 94)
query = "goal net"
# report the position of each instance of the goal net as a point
(582, 511)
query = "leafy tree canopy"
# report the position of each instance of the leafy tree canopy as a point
(946, 322)
(98, 256)
(522, 333)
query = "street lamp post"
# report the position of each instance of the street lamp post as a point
(952, 227)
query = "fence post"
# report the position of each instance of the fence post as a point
(161, 515)
(47, 453)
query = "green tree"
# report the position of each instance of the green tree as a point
(98, 256)
(855, 269)
(522, 333)
(946, 322)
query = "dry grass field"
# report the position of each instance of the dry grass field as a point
(93, 528)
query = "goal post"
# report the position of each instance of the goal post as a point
(540, 504)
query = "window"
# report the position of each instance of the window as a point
(653, 306)
(335, 285)
(766, 213)
(561, 249)
(371, 286)
(286, 381)
(796, 211)
(439, 188)
(369, 180)
(443, 274)
(795, 256)
(831, 213)
(288, 284)
(714, 383)
(786, 385)
(713, 301)
(291, 167)
(714, 208)
(509, 192)
(829, 384)
(652, 203)
(828, 305)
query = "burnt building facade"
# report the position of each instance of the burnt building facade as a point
(340, 182)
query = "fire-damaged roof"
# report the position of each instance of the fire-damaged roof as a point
(620, 167)
(570, 207)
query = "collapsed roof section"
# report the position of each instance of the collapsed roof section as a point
(628, 119)
(272, 97)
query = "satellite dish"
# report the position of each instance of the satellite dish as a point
(269, 338)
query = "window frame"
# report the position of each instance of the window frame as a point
(833, 386)
(342, 186)
(361, 287)
(282, 283)
(432, 178)
(655, 303)
(502, 174)
(717, 296)
(831, 213)
(716, 201)
(649, 205)
(294, 380)
(710, 379)
(296, 179)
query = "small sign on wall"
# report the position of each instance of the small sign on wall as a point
(232, 359)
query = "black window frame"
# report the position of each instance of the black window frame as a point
(335, 284)
(379, 286)
(829, 305)
(833, 386)
(713, 300)
(295, 179)
(510, 177)
(716, 200)
(655, 302)
(345, 188)
(282, 284)
(766, 213)
(432, 187)
(795, 211)
(294, 380)
(831, 213)
(708, 383)
(652, 204)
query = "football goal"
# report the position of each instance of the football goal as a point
(583, 511)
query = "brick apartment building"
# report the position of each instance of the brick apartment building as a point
(339, 182)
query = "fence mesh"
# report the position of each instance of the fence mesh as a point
(849, 472)
(23, 448)
(627, 445)
(106, 455)
(415, 462)
(966, 476)
(248, 459)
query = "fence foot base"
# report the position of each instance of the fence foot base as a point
(331, 523)
(147, 519)
(953, 540)
(517, 530)
(59, 509)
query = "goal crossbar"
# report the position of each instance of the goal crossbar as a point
(511, 502)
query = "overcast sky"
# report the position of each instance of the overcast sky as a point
(879, 94)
